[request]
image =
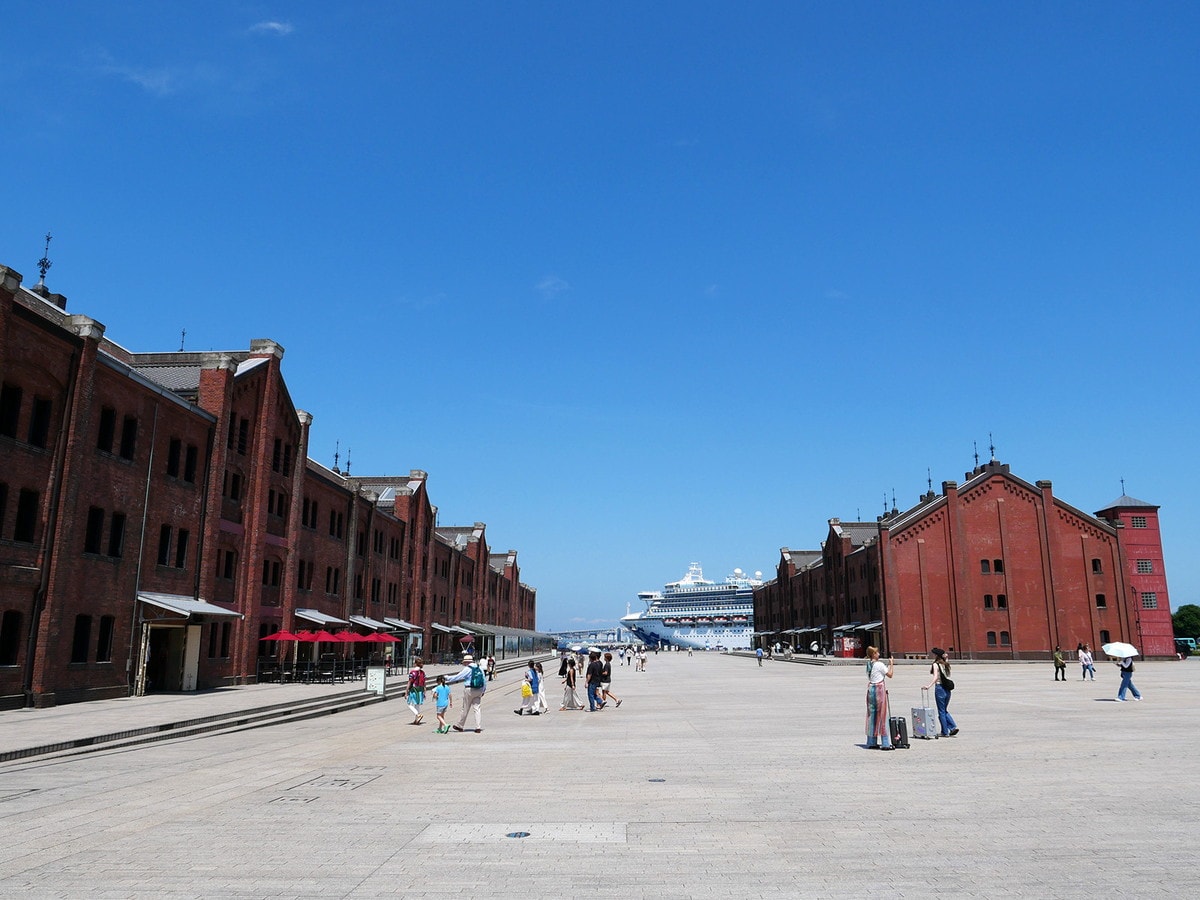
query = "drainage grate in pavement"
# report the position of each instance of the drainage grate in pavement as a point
(337, 782)
(548, 832)
(292, 800)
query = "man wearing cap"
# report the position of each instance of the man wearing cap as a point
(472, 696)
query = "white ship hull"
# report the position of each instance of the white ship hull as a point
(698, 614)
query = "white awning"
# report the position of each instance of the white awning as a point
(183, 605)
(320, 618)
(445, 629)
(400, 623)
(460, 630)
(871, 626)
(368, 622)
(849, 627)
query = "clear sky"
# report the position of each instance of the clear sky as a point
(641, 284)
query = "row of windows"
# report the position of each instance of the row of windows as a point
(1000, 601)
(10, 637)
(988, 566)
(40, 415)
(81, 642)
(24, 530)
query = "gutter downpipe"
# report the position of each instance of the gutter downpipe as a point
(139, 634)
(39, 595)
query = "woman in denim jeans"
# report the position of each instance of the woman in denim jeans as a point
(940, 670)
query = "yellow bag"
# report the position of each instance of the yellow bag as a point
(526, 689)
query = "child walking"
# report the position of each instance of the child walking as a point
(443, 701)
(416, 689)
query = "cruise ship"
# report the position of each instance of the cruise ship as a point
(693, 612)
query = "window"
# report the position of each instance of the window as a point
(308, 513)
(243, 438)
(3, 505)
(93, 533)
(83, 637)
(218, 640)
(1149, 600)
(988, 601)
(270, 572)
(1137, 521)
(164, 545)
(181, 548)
(104, 639)
(226, 564)
(116, 535)
(287, 460)
(1097, 567)
(229, 438)
(10, 409)
(277, 456)
(233, 485)
(10, 637)
(336, 524)
(1101, 602)
(108, 428)
(39, 421)
(332, 579)
(1145, 567)
(1005, 640)
(25, 528)
(991, 638)
(998, 566)
(129, 430)
(1104, 637)
(1001, 601)
(360, 543)
(304, 575)
(174, 452)
(189, 463)
(985, 566)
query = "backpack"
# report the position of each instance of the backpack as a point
(416, 680)
(477, 679)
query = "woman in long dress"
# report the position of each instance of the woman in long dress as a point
(570, 698)
(878, 732)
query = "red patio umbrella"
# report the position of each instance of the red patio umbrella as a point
(350, 637)
(281, 636)
(467, 639)
(378, 638)
(305, 637)
(323, 636)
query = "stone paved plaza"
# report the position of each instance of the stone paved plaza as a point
(715, 778)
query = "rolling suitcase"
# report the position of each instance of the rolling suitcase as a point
(925, 719)
(898, 726)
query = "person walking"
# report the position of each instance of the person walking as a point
(1060, 664)
(606, 681)
(416, 689)
(529, 689)
(473, 690)
(491, 668)
(594, 669)
(570, 697)
(942, 686)
(1086, 662)
(759, 654)
(878, 730)
(443, 701)
(1126, 667)
(539, 698)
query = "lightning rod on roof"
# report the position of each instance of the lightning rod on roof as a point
(975, 445)
(991, 447)
(44, 263)
(182, 335)
(337, 454)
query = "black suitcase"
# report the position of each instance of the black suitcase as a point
(899, 728)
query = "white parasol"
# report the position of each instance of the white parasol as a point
(1120, 650)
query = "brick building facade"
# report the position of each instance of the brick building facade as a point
(996, 568)
(159, 515)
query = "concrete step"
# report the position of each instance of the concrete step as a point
(237, 720)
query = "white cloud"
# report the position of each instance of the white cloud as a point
(551, 286)
(279, 28)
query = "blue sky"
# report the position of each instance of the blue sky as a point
(646, 284)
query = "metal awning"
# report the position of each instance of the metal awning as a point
(320, 618)
(445, 629)
(368, 622)
(460, 630)
(400, 623)
(183, 605)
(807, 630)
(871, 626)
(504, 631)
(847, 627)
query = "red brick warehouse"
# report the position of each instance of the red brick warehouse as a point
(159, 515)
(996, 568)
